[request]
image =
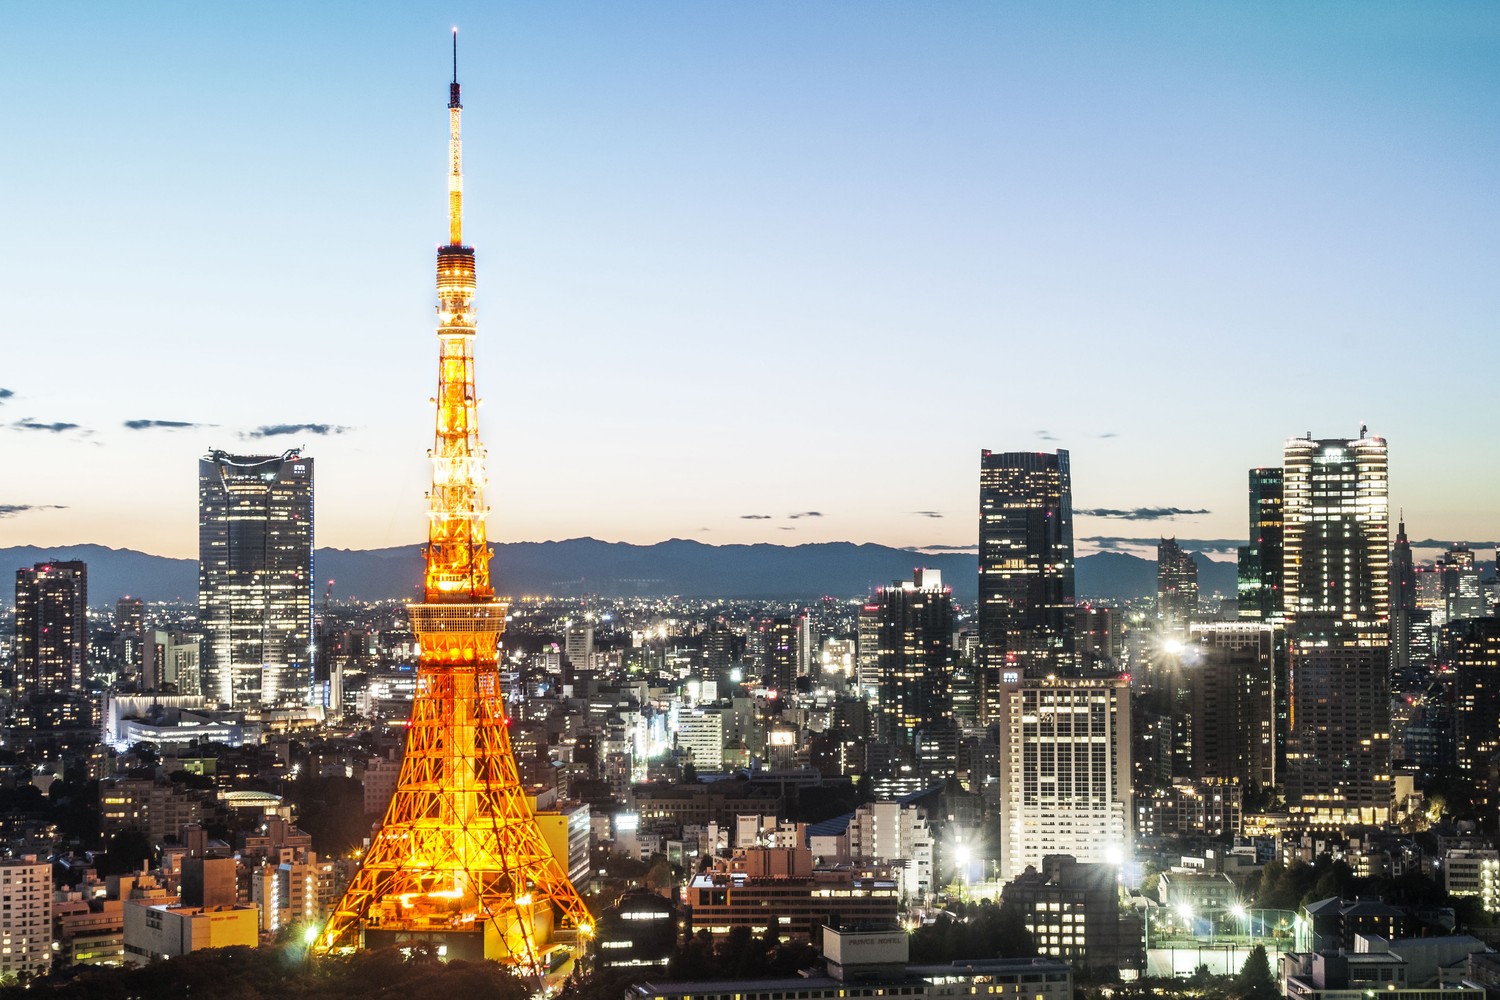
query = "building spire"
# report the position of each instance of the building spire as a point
(455, 158)
(458, 555)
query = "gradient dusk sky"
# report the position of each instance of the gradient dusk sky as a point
(770, 271)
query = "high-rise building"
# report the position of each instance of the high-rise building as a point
(1471, 652)
(578, 645)
(25, 918)
(779, 669)
(130, 633)
(1099, 637)
(1336, 517)
(722, 649)
(255, 577)
(52, 636)
(1260, 571)
(1337, 579)
(1403, 607)
(1431, 597)
(916, 655)
(1065, 770)
(867, 650)
(1026, 587)
(1230, 672)
(1462, 597)
(1176, 589)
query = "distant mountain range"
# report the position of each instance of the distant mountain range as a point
(618, 569)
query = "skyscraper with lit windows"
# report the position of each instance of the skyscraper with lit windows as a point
(1176, 589)
(1026, 589)
(1260, 582)
(255, 577)
(1336, 527)
(1065, 770)
(915, 664)
(52, 635)
(1336, 565)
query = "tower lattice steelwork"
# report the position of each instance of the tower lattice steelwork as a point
(459, 861)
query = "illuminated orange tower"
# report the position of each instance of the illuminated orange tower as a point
(459, 861)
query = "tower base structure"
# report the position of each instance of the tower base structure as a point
(459, 863)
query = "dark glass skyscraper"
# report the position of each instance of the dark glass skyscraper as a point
(1404, 614)
(255, 579)
(1471, 652)
(52, 635)
(1260, 570)
(916, 655)
(1176, 589)
(1026, 591)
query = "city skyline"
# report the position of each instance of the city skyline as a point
(794, 218)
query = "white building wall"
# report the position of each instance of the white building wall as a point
(1064, 771)
(25, 917)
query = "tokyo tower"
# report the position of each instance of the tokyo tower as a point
(459, 862)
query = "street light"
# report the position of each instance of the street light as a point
(962, 855)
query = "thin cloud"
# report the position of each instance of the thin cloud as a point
(1139, 513)
(785, 527)
(6, 394)
(928, 513)
(1107, 434)
(945, 548)
(1191, 544)
(1436, 543)
(28, 424)
(277, 430)
(755, 517)
(805, 513)
(167, 425)
(12, 509)
(1046, 435)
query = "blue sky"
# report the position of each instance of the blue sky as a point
(748, 259)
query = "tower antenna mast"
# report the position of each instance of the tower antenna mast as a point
(455, 157)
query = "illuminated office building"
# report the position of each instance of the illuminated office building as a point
(1026, 588)
(255, 577)
(1403, 611)
(780, 636)
(1471, 652)
(1336, 563)
(1260, 570)
(130, 634)
(1336, 518)
(1462, 597)
(1230, 705)
(1065, 770)
(1176, 589)
(52, 635)
(915, 665)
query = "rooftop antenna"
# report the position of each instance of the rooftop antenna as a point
(455, 156)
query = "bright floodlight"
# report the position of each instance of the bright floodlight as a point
(1185, 911)
(1172, 646)
(1237, 910)
(310, 935)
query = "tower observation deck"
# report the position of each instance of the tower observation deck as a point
(459, 861)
